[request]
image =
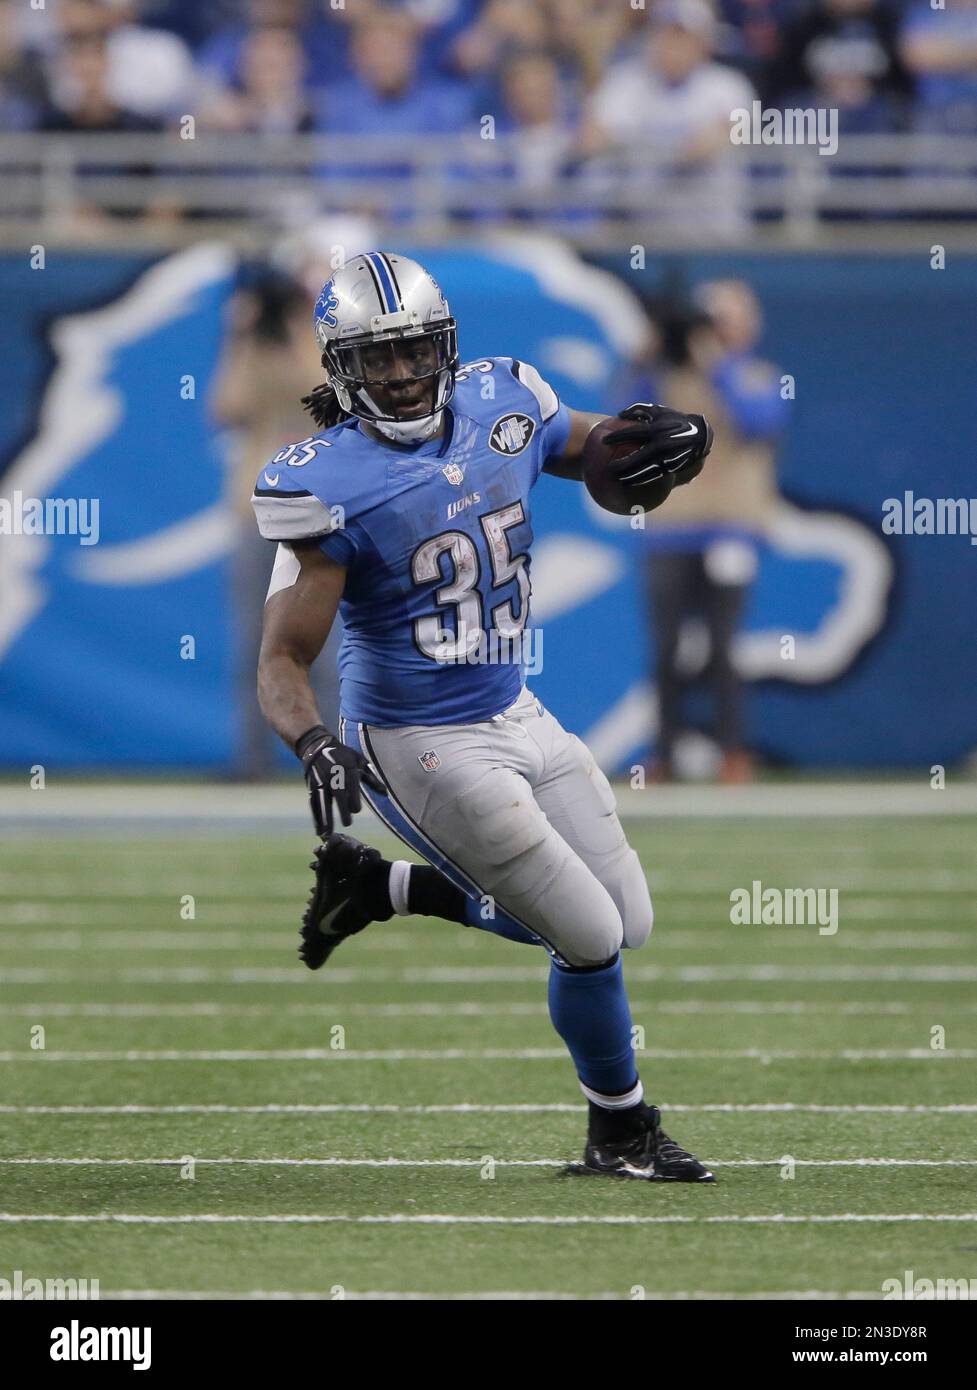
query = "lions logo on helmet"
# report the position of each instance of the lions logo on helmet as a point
(326, 306)
(389, 344)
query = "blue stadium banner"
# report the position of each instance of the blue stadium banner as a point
(115, 536)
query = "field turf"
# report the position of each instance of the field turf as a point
(396, 1124)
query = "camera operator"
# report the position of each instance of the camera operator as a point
(701, 555)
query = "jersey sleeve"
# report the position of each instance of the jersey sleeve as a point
(287, 511)
(311, 491)
(553, 414)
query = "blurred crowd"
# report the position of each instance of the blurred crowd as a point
(563, 71)
(571, 76)
(574, 110)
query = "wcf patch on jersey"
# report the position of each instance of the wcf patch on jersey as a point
(429, 761)
(511, 433)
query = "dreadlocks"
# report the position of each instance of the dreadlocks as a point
(323, 406)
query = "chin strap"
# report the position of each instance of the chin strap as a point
(411, 431)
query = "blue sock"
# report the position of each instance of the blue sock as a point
(590, 1011)
(500, 923)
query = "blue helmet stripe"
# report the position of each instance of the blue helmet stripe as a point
(386, 284)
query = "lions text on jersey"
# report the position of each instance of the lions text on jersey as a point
(435, 540)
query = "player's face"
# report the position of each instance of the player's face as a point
(402, 376)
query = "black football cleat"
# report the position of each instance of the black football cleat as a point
(648, 1153)
(333, 912)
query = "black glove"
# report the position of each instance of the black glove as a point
(333, 772)
(665, 442)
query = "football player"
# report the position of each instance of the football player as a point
(409, 512)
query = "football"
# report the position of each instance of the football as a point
(599, 475)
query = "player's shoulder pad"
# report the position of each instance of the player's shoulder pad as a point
(305, 490)
(516, 385)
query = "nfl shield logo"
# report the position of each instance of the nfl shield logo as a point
(429, 761)
(453, 473)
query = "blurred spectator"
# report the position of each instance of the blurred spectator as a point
(89, 106)
(23, 88)
(320, 30)
(844, 54)
(673, 104)
(701, 544)
(194, 22)
(385, 94)
(503, 26)
(150, 71)
(940, 48)
(271, 98)
(85, 100)
(588, 35)
(752, 34)
(440, 23)
(268, 363)
(583, 36)
(388, 95)
(534, 114)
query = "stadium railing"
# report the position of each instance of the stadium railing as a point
(165, 189)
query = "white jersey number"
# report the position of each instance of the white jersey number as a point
(461, 592)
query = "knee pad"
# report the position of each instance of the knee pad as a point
(601, 944)
(629, 888)
(586, 923)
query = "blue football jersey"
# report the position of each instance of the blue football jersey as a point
(435, 540)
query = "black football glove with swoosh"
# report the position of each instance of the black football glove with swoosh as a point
(665, 442)
(333, 773)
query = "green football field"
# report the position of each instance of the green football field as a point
(206, 1116)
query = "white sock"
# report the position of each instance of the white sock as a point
(615, 1102)
(397, 886)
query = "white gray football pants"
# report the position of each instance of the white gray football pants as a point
(514, 809)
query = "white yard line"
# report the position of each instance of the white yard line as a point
(507, 1054)
(424, 1008)
(482, 1295)
(29, 910)
(475, 975)
(281, 805)
(281, 941)
(465, 1108)
(444, 1220)
(230, 1162)
(281, 888)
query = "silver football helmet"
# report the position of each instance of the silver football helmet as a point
(389, 344)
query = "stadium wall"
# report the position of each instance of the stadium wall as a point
(97, 353)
